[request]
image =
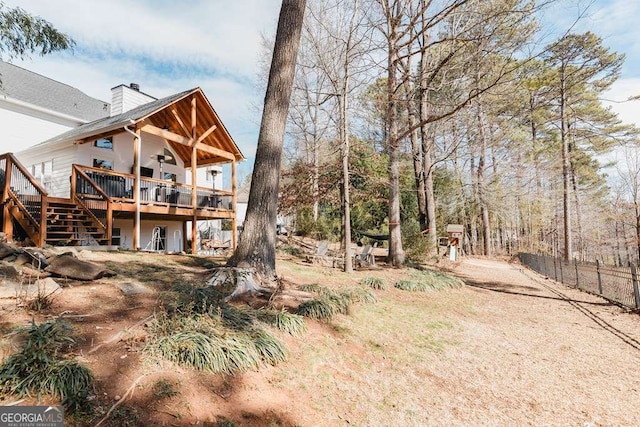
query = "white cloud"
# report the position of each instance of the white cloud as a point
(620, 92)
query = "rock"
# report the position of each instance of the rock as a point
(7, 249)
(67, 266)
(10, 289)
(32, 272)
(47, 285)
(54, 251)
(22, 259)
(7, 271)
(38, 259)
(131, 288)
(10, 258)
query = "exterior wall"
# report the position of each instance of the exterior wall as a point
(63, 156)
(122, 155)
(23, 127)
(173, 236)
(123, 99)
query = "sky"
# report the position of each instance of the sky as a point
(167, 46)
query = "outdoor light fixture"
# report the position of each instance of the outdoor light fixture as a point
(213, 173)
(161, 158)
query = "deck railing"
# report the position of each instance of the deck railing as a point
(27, 194)
(119, 187)
(92, 199)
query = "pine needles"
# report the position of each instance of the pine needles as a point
(42, 368)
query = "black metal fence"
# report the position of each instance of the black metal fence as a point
(618, 284)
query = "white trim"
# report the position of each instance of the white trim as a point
(33, 107)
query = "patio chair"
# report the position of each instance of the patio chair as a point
(364, 257)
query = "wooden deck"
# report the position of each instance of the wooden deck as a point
(96, 195)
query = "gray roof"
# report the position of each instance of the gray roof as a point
(32, 88)
(108, 124)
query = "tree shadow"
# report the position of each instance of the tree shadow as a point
(525, 291)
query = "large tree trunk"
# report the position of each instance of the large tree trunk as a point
(257, 245)
(396, 253)
(346, 210)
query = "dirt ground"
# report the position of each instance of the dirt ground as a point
(509, 348)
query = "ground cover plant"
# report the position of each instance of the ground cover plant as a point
(197, 328)
(330, 302)
(43, 367)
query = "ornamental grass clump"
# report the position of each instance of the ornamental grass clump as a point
(411, 286)
(429, 280)
(374, 283)
(199, 329)
(284, 321)
(43, 367)
(330, 302)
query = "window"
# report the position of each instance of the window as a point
(168, 176)
(42, 169)
(103, 164)
(115, 236)
(170, 158)
(106, 143)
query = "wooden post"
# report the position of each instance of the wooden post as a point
(7, 223)
(575, 262)
(44, 204)
(599, 277)
(555, 269)
(234, 220)
(194, 201)
(634, 279)
(137, 147)
(109, 222)
(194, 178)
(184, 236)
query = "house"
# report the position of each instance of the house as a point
(120, 179)
(34, 108)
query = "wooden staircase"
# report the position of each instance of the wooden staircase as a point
(68, 225)
(45, 219)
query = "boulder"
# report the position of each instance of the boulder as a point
(7, 271)
(69, 267)
(38, 259)
(8, 249)
(43, 287)
(133, 288)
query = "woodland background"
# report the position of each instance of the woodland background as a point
(452, 111)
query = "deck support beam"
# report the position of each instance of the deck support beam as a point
(194, 178)
(137, 149)
(234, 221)
(7, 223)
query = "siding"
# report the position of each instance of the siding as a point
(23, 128)
(123, 99)
(63, 156)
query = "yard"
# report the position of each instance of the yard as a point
(509, 348)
